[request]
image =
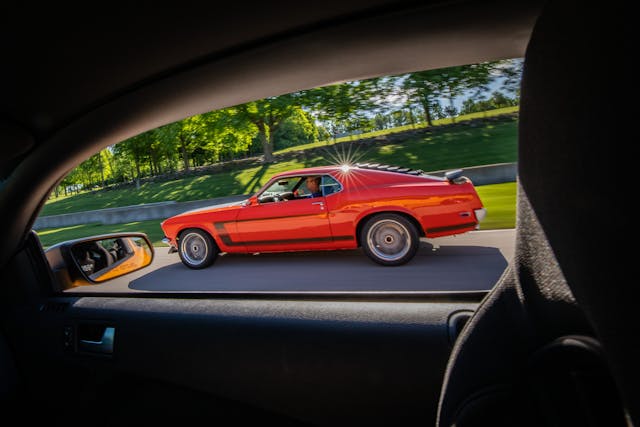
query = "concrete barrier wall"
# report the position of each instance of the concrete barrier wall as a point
(488, 174)
(480, 175)
(159, 211)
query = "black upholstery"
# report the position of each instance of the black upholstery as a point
(507, 367)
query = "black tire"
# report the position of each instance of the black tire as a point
(390, 239)
(197, 248)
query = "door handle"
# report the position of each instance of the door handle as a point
(456, 323)
(104, 346)
(318, 203)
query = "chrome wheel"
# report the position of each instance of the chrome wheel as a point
(197, 248)
(389, 240)
(194, 248)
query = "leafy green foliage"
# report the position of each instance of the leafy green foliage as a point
(497, 100)
(330, 113)
(456, 147)
(297, 129)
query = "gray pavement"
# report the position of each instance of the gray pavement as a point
(472, 261)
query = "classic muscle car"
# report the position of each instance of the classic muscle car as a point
(383, 209)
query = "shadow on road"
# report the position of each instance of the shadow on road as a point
(435, 268)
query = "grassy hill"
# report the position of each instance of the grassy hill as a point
(477, 143)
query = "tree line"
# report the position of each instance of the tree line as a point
(264, 126)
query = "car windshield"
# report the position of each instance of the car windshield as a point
(414, 171)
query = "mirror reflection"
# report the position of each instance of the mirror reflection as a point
(106, 259)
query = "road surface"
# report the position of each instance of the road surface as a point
(472, 261)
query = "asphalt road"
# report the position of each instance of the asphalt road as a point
(472, 261)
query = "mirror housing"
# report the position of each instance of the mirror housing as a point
(453, 175)
(97, 259)
(253, 200)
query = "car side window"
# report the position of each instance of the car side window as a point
(303, 191)
(330, 185)
(282, 189)
(291, 203)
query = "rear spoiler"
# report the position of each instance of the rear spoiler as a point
(453, 176)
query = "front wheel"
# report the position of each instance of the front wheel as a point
(197, 248)
(390, 239)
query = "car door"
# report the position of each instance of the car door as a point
(311, 359)
(295, 224)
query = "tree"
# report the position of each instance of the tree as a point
(426, 87)
(136, 149)
(228, 133)
(422, 87)
(297, 129)
(510, 70)
(342, 107)
(187, 133)
(267, 115)
(497, 100)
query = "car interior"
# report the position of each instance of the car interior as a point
(550, 344)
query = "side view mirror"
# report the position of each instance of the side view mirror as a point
(97, 259)
(253, 200)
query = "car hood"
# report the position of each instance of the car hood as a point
(215, 208)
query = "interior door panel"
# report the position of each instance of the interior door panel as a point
(315, 359)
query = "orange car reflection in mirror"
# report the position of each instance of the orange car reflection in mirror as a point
(139, 256)
(114, 257)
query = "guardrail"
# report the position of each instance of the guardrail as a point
(479, 175)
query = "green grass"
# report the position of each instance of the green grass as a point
(500, 202)
(51, 236)
(455, 148)
(498, 199)
(243, 181)
(462, 118)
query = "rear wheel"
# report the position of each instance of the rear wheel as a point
(197, 248)
(390, 239)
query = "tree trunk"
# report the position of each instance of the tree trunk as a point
(452, 109)
(101, 169)
(112, 166)
(426, 105)
(185, 155)
(267, 143)
(137, 161)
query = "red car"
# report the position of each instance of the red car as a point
(383, 209)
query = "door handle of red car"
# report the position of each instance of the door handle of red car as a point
(319, 203)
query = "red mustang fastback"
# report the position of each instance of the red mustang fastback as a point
(385, 210)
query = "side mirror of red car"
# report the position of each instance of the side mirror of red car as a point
(253, 200)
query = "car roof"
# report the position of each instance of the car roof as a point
(364, 168)
(318, 170)
(59, 66)
(64, 63)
